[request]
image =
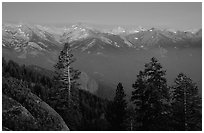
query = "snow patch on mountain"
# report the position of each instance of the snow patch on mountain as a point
(106, 40)
(89, 45)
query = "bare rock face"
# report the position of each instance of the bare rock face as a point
(16, 117)
(25, 107)
(87, 83)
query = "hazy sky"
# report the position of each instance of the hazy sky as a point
(165, 15)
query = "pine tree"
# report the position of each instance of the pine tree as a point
(66, 94)
(150, 97)
(66, 76)
(116, 110)
(139, 98)
(186, 104)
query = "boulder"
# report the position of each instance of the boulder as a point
(16, 117)
(46, 117)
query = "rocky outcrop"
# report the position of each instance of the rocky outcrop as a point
(87, 83)
(25, 107)
(16, 117)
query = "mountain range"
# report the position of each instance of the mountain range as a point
(22, 37)
(101, 53)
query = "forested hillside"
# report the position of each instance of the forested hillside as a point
(38, 99)
(19, 81)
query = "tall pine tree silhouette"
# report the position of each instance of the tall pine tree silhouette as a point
(116, 110)
(66, 95)
(186, 104)
(150, 96)
(66, 77)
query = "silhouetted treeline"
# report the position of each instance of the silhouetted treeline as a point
(154, 106)
(28, 73)
(157, 107)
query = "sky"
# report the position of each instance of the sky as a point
(176, 15)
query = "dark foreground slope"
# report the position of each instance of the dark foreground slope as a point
(27, 104)
(23, 110)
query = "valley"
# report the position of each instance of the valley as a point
(106, 57)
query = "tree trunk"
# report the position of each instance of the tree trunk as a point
(69, 81)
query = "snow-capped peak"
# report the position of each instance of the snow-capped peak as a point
(118, 30)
